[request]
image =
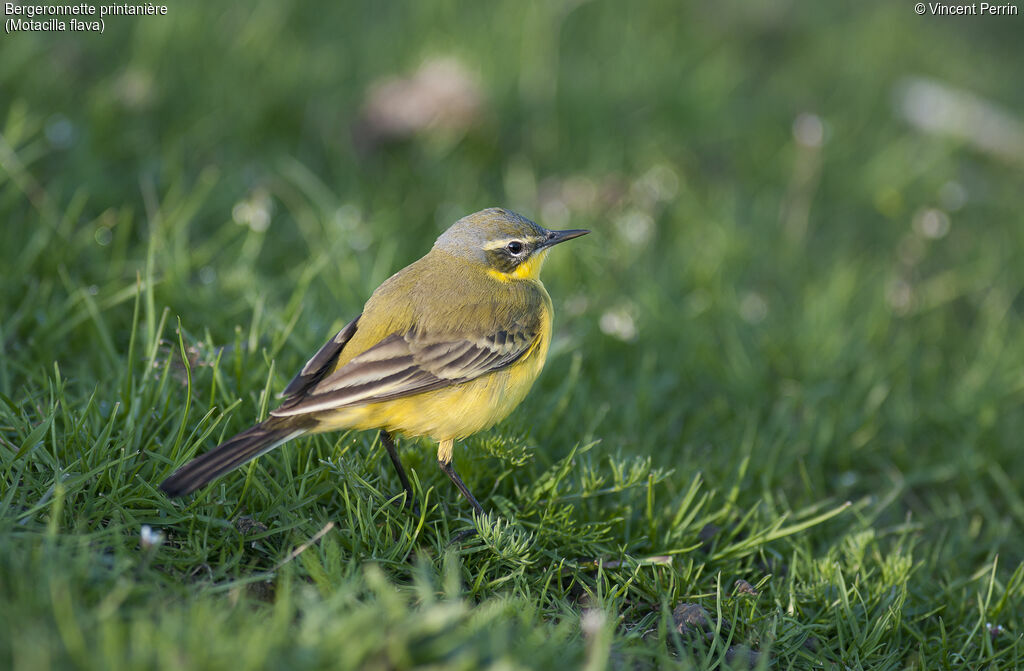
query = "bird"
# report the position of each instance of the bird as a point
(444, 348)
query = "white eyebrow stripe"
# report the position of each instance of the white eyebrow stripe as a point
(498, 244)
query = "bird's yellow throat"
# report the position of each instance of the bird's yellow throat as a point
(527, 270)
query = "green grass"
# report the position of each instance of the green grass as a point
(798, 365)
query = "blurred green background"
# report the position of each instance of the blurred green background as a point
(804, 285)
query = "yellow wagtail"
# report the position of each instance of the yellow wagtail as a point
(444, 348)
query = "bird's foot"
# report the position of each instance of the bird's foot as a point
(407, 503)
(461, 536)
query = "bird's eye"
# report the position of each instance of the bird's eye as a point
(515, 248)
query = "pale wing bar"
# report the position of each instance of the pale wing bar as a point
(321, 362)
(406, 364)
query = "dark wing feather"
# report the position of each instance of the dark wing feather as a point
(321, 363)
(411, 363)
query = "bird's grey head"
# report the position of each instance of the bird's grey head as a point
(500, 239)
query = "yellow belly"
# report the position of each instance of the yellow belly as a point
(452, 412)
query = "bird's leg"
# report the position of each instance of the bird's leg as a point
(389, 445)
(444, 460)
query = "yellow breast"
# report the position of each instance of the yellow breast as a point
(452, 412)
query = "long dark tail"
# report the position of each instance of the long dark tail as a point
(232, 453)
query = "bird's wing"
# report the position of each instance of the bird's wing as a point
(404, 364)
(321, 364)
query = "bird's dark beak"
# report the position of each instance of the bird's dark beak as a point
(554, 237)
